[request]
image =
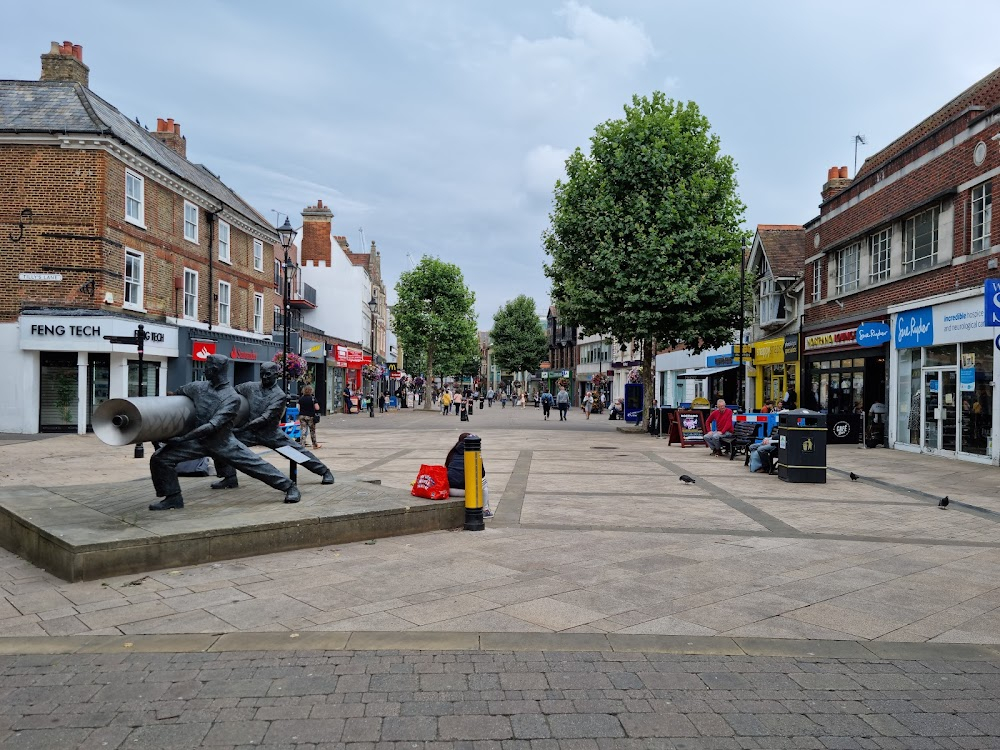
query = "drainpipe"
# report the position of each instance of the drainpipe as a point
(211, 265)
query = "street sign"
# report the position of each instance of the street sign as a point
(991, 292)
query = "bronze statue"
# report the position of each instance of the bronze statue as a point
(216, 407)
(267, 406)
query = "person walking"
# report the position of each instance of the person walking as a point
(307, 416)
(562, 402)
(546, 405)
(503, 399)
(523, 398)
(381, 403)
(445, 403)
(490, 395)
(458, 400)
(588, 404)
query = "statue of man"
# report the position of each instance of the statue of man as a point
(216, 405)
(267, 406)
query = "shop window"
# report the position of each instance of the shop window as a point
(58, 390)
(975, 383)
(150, 378)
(935, 356)
(908, 397)
(982, 214)
(879, 255)
(920, 241)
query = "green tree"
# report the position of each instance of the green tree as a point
(644, 237)
(518, 338)
(435, 315)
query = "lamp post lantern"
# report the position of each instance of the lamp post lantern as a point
(372, 306)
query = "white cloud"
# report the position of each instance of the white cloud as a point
(543, 165)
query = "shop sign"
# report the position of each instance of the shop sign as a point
(831, 339)
(791, 347)
(91, 333)
(720, 360)
(313, 350)
(962, 320)
(201, 349)
(991, 293)
(873, 334)
(237, 353)
(351, 358)
(914, 328)
(769, 352)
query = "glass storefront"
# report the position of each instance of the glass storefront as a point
(945, 398)
(59, 392)
(845, 386)
(150, 378)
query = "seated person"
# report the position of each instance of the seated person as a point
(762, 455)
(723, 418)
(617, 410)
(455, 463)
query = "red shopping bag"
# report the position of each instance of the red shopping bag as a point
(432, 482)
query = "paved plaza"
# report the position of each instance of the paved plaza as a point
(606, 604)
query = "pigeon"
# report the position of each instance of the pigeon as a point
(686, 479)
(854, 477)
(943, 503)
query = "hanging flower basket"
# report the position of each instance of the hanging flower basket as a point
(418, 382)
(297, 366)
(370, 371)
(599, 380)
(562, 383)
(635, 375)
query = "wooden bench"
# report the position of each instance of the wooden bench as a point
(744, 435)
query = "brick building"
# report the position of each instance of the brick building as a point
(107, 225)
(563, 352)
(896, 263)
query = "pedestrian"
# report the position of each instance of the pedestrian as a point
(562, 402)
(523, 399)
(347, 399)
(455, 462)
(445, 403)
(503, 399)
(490, 394)
(381, 403)
(307, 416)
(588, 404)
(458, 400)
(546, 404)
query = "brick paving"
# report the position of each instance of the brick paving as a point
(528, 700)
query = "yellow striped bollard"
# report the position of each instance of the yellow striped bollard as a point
(473, 447)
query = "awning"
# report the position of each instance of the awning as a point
(705, 372)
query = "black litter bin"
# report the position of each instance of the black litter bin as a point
(802, 447)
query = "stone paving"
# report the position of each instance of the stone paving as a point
(594, 542)
(512, 700)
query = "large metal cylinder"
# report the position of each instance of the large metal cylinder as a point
(145, 419)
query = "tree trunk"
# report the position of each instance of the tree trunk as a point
(648, 378)
(429, 385)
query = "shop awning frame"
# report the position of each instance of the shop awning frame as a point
(706, 372)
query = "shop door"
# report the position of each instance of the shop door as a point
(99, 383)
(940, 411)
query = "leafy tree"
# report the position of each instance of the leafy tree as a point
(644, 237)
(434, 315)
(519, 343)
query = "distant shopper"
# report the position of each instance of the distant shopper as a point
(562, 402)
(445, 403)
(547, 402)
(503, 399)
(588, 404)
(307, 415)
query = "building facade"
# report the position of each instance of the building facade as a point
(109, 225)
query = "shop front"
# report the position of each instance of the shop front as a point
(350, 361)
(195, 344)
(68, 367)
(314, 353)
(844, 376)
(943, 364)
(776, 363)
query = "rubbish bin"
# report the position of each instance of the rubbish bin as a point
(802, 446)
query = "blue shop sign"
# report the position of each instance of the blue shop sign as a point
(914, 328)
(991, 292)
(872, 334)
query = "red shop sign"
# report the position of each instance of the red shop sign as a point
(241, 354)
(201, 349)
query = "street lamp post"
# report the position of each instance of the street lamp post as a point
(286, 236)
(372, 305)
(741, 396)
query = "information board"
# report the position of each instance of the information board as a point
(691, 425)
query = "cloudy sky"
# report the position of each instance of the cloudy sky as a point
(440, 126)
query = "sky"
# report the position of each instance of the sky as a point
(439, 127)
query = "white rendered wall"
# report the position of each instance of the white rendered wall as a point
(342, 294)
